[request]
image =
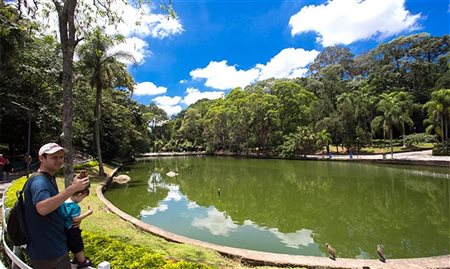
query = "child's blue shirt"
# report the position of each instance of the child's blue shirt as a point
(68, 210)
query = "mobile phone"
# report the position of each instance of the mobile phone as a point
(83, 174)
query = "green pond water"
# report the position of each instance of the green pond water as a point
(292, 206)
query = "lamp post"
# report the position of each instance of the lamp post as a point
(29, 134)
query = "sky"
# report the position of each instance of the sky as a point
(214, 46)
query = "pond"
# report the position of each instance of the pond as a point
(293, 206)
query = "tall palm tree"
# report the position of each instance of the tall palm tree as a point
(105, 72)
(394, 113)
(438, 109)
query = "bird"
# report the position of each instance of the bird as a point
(171, 174)
(218, 191)
(380, 252)
(331, 251)
(121, 179)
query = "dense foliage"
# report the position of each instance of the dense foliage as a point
(124, 256)
(399, 88)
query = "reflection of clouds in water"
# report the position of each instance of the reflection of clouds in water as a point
(249, 223)
(174, 193)
(216, 222)
(192, 205)
(153, 211)
(302, 237)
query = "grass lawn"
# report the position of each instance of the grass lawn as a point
(397, 148)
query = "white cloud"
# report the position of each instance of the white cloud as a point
(216, 222)
(169, 104)
(167, 100)
(148, 88)
(346, 21)
(221, 76)
(193, 95)
(289, 63)
(143, 22)
(135, 46)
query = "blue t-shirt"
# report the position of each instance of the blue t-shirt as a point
(46, 237)
(68, 210)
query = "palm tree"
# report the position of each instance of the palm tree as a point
(438, 109)
(324, 139)
(105, 72)
(393, 107)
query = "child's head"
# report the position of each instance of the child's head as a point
(80, 195)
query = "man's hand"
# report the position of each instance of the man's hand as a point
(80, 183)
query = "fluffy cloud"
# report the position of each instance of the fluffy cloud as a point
(289, 63)
(135, 23)
(193, 95)
(221, 76)
(143, 22)
(169, 104)
(148, 88)
(346, 21)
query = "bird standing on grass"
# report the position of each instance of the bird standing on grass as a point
(331, 251)
(381, 253)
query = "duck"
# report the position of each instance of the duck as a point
(331, 251)
(121, 179)
(171, 174)
(380, 252)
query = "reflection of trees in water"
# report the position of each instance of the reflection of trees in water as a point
(353, 206)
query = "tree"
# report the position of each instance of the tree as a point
(438, 110)
(392, 106)
(70, 34)
(104, 67)
(323, 139)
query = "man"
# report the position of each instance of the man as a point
(3, 162)
(47, 247)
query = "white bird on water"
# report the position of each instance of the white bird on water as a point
(171, 174)
(121, 179)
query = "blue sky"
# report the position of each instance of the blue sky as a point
(216, 45)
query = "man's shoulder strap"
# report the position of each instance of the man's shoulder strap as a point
(45, 174)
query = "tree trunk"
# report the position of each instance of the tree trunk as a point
(67, 37)
(403, 130)
(391, 131)
(97, 116)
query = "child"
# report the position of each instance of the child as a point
(71, 212)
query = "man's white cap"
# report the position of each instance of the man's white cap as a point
(50, 148)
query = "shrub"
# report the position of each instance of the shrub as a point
(418, 138)
(442, 149)
(122, 255)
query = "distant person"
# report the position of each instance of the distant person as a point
(3, 164)
(71, 213)
(47, 246)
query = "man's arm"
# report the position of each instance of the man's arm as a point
(50, 204)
